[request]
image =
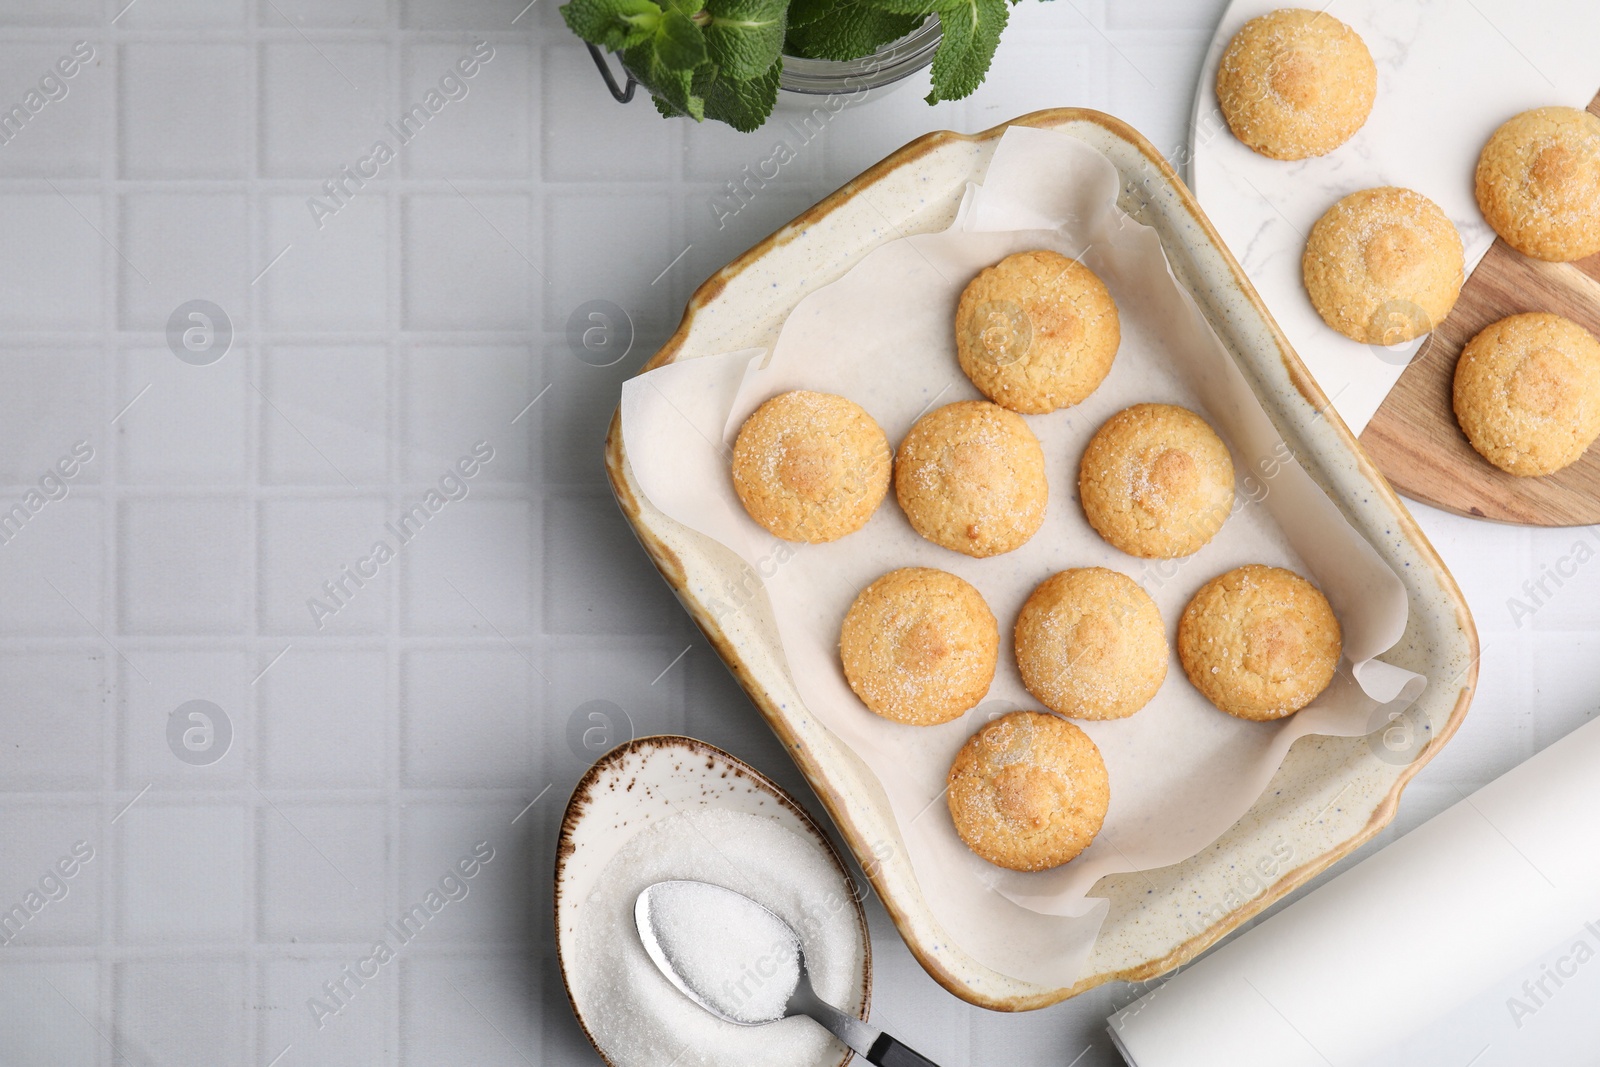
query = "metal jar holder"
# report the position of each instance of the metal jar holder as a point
(621, 93)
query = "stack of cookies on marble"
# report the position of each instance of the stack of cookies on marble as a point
(1035, 333)
(1384, 266)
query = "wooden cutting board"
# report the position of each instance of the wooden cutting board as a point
(1414, 438)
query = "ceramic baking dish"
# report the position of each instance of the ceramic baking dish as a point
(1330, 795)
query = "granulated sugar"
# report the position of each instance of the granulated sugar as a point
(638, 1017)
(740, 958)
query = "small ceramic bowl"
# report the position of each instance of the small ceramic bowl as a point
(649, 779)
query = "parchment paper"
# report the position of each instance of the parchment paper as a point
(1181, 772)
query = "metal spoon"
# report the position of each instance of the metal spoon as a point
(875, 1046)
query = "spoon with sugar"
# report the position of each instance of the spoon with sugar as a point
(745, 965)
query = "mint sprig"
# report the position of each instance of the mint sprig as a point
(844, 29)
(722, 59)
(971, 33)
(745, 37)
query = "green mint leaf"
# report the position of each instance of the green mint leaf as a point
(805, 12)
(912, 7)
(612, 24)
(671, 63)
(847, 29)
(744, 37)
(744, 103)
(679, 43)
(673, 93)
(687, 7)
(971, 34)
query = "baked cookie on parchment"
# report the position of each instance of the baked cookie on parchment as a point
(1259, 642)
(1036, 332)
(970, 476)
(810, 466)
(1029, 791)
(919, 646)
(1156, 481)
(1090, 644)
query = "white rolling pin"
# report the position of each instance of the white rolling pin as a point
(1400, 939)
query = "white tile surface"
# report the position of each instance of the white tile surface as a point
(456, 397)
(464, 718)
(164, 14)
(52, 567)
(636, 148)
(590, 586)
(486, 127)
(315, 560)
(475, 571)
(322, 871)
(185, 873)
(357, 1034)
(177, 247)
(476, 1009)
(182, 112)
(156, 683)
(469, 262)
(325, 720)
(42, 1012)
(325, 415)
(63, 140)
(53, 278)
(54, 733)
(487, 15)
(337, 14)
(64, 13)
(507, 902)
(613, 248)
(170, 1008)
(51, 399)
(425, 314)
(182, 558)
(185, 428)
(322, 106)
(60, 908)
(328, 278)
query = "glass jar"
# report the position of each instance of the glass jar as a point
(803, 81)
(858, 79)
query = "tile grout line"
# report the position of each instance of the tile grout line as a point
(116, 673)
(399, 356)
(254, 371)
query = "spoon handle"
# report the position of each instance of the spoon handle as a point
(887, 1052)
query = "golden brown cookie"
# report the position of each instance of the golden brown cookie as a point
(1383, 266)
(970, 476)
(1036, 332)
(1156, 481)
(919, 646)
(1538, 183)
(810, 466)
(1527, 392)
(1029, 791)
(1259, 642)
(1090, 644)
(1296, 83)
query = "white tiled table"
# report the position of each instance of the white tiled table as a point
(425, 315)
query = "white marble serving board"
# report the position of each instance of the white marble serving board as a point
(1449, 72)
